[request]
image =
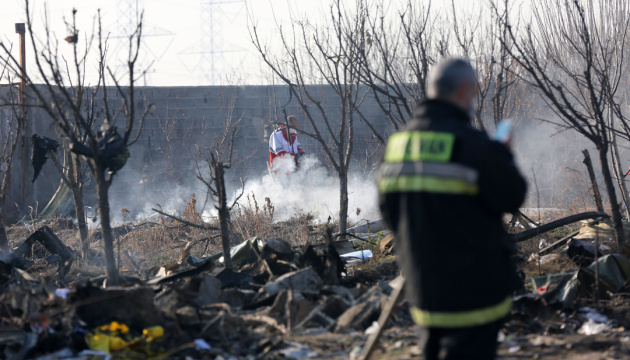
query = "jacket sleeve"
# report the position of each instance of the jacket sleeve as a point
(502, 188)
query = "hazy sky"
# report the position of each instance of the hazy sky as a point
(173, 32)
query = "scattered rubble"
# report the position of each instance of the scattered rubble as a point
(194, 307)
(282, 301)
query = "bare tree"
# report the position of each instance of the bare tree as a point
(394, 71)
(573, 53)
(312, 60)
(398, 51)
(62, 97)
(72, 172)
(220, 153)
(483, 40)
(395, 53)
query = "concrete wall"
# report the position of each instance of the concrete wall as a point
(182, 118)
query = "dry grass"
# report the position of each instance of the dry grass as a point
(252, 220)
(160, 240)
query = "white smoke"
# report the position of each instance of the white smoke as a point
(311, 189)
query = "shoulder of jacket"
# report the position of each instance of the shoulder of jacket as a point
(478, 139)
(477, 134)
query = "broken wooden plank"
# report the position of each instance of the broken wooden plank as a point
(186, 222)
(207, 265)
(392, 303)
(558, 244)
(49, 240)
(53, 244)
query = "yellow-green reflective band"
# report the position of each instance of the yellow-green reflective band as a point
(429, 184)
(427, 168)
(462, 318)
(419, 146)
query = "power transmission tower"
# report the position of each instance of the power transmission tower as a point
(212, 48)
(126, 19)
(128, 15)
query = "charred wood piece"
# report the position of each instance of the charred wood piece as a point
(53, 244)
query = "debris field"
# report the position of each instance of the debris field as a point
(283, 300)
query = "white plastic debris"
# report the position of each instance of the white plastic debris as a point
(94, 354)
(62, 292)
(592, 314)
(592, 328)
(534, 258)
(298, 351)
(361, 254)
(201, 344)
(542, 243)
(538, 341)
(514, 349)
(372, 329)
(355, 353)
(500, 336)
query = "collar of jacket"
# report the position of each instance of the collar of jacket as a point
(435, 109)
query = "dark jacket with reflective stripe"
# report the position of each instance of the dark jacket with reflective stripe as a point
(443, 189)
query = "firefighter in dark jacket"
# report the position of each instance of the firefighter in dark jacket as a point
(443, 188)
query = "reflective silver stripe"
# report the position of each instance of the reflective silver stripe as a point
(444, 170)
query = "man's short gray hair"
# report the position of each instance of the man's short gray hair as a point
(447, 76)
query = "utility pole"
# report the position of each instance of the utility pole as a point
(23, 119)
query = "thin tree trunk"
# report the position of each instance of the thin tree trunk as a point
(618, 173)
(4, 240)
(343, 202)
(77, 195)
(224, 227)
(79, 206)
(591, 174)
(224, 212)
(106, 229)
(72, 178)
(612, 196)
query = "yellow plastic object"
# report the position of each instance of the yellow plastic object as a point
(115, 337)
(98, 342)
(116, 343)
(153, 332)
(114, 327)
(103, 342)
